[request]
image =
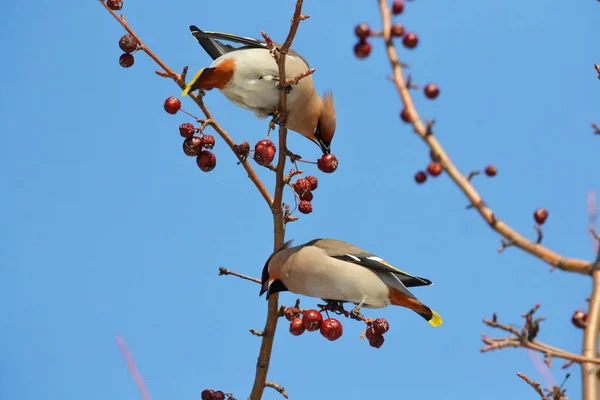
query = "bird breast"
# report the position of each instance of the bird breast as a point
(311, 272)
(254, 81)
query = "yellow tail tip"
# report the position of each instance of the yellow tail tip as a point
(436, 320)
(190, 85)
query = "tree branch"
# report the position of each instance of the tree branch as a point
(264, 357)
(513, 237)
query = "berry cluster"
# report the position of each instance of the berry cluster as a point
(363, 48)
(375, 331)
(312, 320)
(304, 188)
(209, 394)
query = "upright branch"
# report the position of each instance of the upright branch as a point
(264, 356)
(426, 133)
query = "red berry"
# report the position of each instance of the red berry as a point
(242, 149)
(312, 320)
(208, 141)
(579, 319)
(410, 40)
(314, 182)
(380, 326)
(434, 168)
(297, 327)
(305, 207)
(114, 4)
(362, 31)
(328, 163)
(332, 329)
(362, 49)
(431, 91)
(291, 313)
(302, 185)
(192, 146)
(218, 395)
(490, 170)
(420, 177)
(186, 130)
(206, 160)
(397, 30)
(172, 105)
(397, 7)
(264, 152)
(307, 196)
(540, 215)
(128, 43)
(406, 117)
(376, 341)
(207, 394)
(126, 60)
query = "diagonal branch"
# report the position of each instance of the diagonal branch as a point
(545, 254)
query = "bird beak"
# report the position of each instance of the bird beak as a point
(272, 286)
(325, 146)
(265, 288)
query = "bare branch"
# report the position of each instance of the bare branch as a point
(225, 271)
(535, 385)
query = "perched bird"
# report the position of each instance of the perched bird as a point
(338, 271)
(248, 76)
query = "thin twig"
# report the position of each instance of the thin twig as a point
(137, 377)
(225, 271)
(277, 387)
(545, 254)
(535, 385)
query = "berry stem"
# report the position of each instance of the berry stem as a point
(543, 253)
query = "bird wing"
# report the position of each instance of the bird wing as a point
(350, 253)
(215, 48)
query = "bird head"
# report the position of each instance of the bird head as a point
(270, 282)
(326, 123)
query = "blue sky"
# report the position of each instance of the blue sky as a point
(107, 228)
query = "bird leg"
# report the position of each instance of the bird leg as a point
(355, 314)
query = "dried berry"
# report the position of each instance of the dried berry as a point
(362, 31)
(192, 146)
(328, 163)
(397, 30)
(579, 319)
(297, 327)
(332, 329)
(540, 215)
(291, 313)
(128, 44)
(406, 116)
(420, 177)
(380, 326)
(376, 341)
(397, 7)
(172, 105)
(314, 182)
(301, 186)
(370, 332)
(490, 170)
(312, 320)
(186, 130)
(208, 141)
(306, 196)
(264, 152)
(434, 168)
(218, 395)
(126, 60)
(431, 91)
(206, 160)
(305, 207)
(362, 49)
(242, 149)
(411, 40)
(114, 5)
(207, 394)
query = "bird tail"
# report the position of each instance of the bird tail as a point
(213, 48)
(398, 298)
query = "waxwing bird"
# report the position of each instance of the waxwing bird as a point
(334, 270)
(248, 76)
